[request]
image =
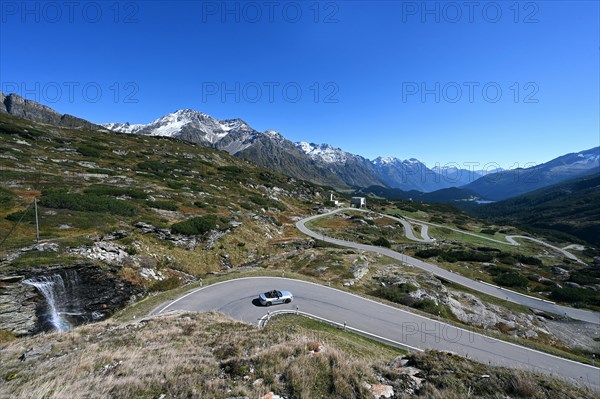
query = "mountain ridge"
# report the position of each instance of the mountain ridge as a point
(323, 163)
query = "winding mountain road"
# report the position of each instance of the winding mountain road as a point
(498, 292)
(563, 251)
(238, 299)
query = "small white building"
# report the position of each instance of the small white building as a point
(335, 202)
(358, 202)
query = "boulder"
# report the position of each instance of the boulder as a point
(380, 390)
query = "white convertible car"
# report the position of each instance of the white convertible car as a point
(273, 297)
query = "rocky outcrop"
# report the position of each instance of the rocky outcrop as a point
(106, 251)
(183, 241)
(472, 311)
(94, 292)
(17, 306)
(27, 109)
(466, 307)
(2, 105)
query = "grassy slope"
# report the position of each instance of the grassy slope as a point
(198, 181)
(185, 180)
(208, 355)
(569, 207)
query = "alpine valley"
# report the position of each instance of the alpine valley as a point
(389, 177)
(325, 164)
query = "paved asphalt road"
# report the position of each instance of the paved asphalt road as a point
(535, 303)
(561, 250)
(238, 299)
(509, 239)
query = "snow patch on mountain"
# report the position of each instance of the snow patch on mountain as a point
(323, 152)
(581, 161)
(124, 127)
(385, 160)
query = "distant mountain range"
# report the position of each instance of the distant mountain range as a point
(325, 164)
(507, 184)
(321, 163)
(569, 207)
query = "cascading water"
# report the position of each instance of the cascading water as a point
(61, 297)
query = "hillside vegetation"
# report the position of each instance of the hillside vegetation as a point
(90, 184)
(570, 208)
(209, 355)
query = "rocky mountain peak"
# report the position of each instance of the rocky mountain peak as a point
(16, 105)
(323, 152)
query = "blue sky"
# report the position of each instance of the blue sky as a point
(511, 83)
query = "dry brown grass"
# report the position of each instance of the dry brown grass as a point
(334, 223)
(207, 355)
(181, 355)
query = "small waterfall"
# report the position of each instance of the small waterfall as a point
(61, 298)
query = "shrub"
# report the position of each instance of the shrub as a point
(167, 284)
(488, 249)
(235, 170)
(166, 205)
(267, 203)
(158, 168)
(6, 197)
(382, 242)
(580, 296)
(60, 199)
(16, 216)
(428, 253)
(391, 290)
(586, 276)
(246, 205)
(530, 260)
(88, 151)
(195, 226)
(102, 171)
(465, 256)
(429, 306)
(114, 191)
(175, 185)
(259, 200)
(507, 259)
(511, 279)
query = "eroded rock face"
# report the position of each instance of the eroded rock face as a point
(28, 109)
(2, 105)
(91, 293)
(17, 306)
(18, 106)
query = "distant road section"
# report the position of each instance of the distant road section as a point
(498, 292)
(509, 239)
(563, 251)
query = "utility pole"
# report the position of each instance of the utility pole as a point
(37, 223)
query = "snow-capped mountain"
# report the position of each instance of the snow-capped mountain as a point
(205, 128)
(268, 149)
(323, 152)
(322, 163)
(409, 174)
(325, 164)
(355, 170)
